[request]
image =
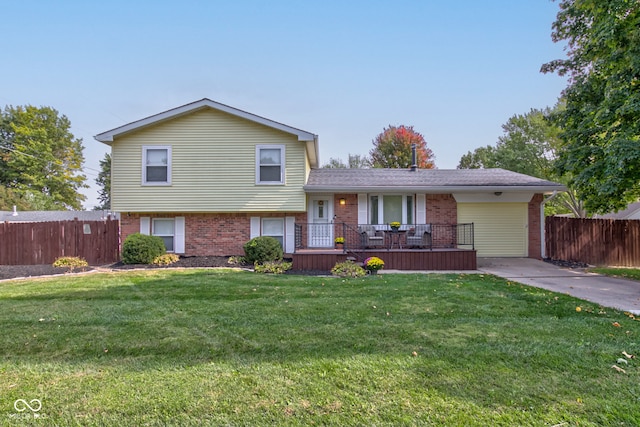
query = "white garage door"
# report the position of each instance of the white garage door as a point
(500, 229)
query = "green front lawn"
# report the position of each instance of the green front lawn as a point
(217, 347)
(627, 273)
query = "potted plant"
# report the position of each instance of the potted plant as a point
(395, 225)
(373, 264)
(339, 241)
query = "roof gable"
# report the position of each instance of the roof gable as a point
(303, 136)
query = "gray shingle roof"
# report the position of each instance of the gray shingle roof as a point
(44, 216)
(430, 180)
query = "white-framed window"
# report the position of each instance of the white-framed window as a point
(387, 208)
(156, 165)
(274, 227)
(165, 228)
(270, 164)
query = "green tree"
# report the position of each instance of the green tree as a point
(528, 145)
(104, 181)
(9, 199)
(392, 149)
(480, 158)
(601, 122)
(356, 161)
(41, 158)
(335, 163)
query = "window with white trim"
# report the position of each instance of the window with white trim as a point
(384, 209)
(166, 230)
(274, 227)
(270, 164)
(156, 165)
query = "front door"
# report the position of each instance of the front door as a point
(320, 227)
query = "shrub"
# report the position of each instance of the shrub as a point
(274, 267)
(236, 260)
(339, 240)
(166, 259)
(71, 262)
(262, 249)
(348, 269)
(141, 249)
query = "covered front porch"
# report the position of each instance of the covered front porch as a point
(401, 246)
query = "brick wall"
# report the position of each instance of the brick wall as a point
(535, 248)
(347, 213)
(221, 234)
(441, 209)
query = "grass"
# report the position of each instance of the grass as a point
(627, 273)
(217, 347)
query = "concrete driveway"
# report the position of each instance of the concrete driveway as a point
(607, 291)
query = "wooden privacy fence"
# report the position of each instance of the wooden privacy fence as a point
(32, 243)
(611, 242)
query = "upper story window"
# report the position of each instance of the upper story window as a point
(270, 164)
(156, 165)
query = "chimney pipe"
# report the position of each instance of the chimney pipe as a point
(15, 211)
(414, 165)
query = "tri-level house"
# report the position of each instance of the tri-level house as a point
(207, 178)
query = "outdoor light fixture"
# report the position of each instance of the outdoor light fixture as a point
(343, 201)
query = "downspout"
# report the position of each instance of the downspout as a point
(542, 221)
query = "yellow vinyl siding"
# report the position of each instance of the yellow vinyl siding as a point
(500, 228)
(213, 167)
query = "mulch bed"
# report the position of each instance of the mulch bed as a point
(567, 264)
(18, 271)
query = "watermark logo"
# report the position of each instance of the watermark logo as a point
(27, 409)
(22, 405)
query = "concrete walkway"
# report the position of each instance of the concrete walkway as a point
(622, 294)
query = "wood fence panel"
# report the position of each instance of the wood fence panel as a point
(33, 243)
(593, 241)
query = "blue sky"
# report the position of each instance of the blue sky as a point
(455, 71)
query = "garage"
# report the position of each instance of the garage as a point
(500, 228)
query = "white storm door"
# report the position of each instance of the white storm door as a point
(320, 227)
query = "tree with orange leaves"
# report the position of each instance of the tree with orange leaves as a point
(392, 149)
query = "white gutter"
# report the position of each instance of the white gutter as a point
(444, 189)
(542, 222)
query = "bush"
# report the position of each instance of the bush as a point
(274, 267)
(141, 249)
(166, 259)
(348, 269)
(71, 262)
(236, 260)
(262, 249)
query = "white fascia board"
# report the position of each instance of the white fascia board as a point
(435, 190)
(108, 136)
(313, 152)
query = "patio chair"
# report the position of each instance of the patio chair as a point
(371, 237)
(419, 236)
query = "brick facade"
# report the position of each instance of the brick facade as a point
(220, 234)
(442, 209)
(347, 213)
(224, 234)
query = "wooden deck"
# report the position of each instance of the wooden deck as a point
(394, 259)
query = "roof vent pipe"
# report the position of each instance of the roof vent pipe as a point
(15, 211)
(414, 165)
